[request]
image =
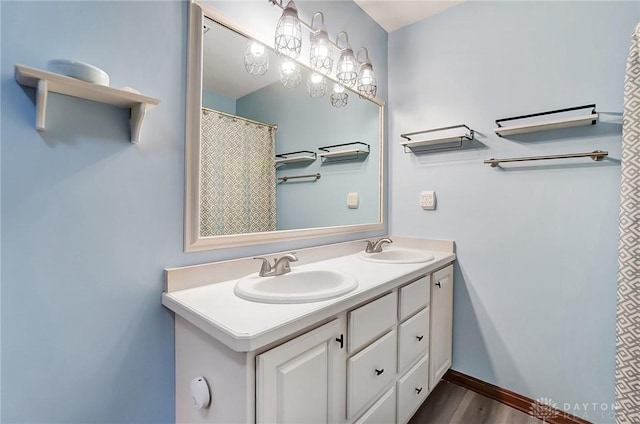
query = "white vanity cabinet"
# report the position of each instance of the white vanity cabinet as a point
(441, 324)
(302, 380)
(369, 359)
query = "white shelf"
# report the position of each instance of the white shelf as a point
(344, 151)
(45, 82)
(456, 133)
(296, 157)
(550, 124)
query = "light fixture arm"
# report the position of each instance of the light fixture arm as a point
(366, 56)
(346, 40)
(314, 28)
(302, 22)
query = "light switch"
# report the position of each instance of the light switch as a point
(428, 200)
(352, 200)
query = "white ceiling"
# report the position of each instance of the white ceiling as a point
(395, 14)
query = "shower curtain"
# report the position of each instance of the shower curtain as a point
(237, 170)
(628, 309)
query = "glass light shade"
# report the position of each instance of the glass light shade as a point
(339, 96)
(321, 54)
(316, 85)
(288, 39)
(256, 58)
(290, 73)
(367, 83)
(346, 69)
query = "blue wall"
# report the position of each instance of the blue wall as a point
(535, 289)
(305, 123)
(89, 221)
(218, 102)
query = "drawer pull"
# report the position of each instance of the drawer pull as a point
(341, 341)
(378, 372)
(418, 390)
(438, 284)
(419, 338)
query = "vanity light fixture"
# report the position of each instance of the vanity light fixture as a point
(321, 55)
(367, 84)
(346, 69)
(288, 39)
(316, 85)
(339, 96)
(256, 58)
(290, 73)
(349, 71)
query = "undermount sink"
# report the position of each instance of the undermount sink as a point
(297, 286)
(397, 255)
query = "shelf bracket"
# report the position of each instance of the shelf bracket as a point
(138, 113)
(42, 92)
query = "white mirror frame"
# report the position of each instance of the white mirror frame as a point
(193, 242)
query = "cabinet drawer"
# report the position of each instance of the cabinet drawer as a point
(369, 321)
(414, 296)
(382, 412)
(413, 338)
(412, 390)
(370, 371)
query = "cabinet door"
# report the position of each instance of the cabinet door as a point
(441, 324)
(297, 381)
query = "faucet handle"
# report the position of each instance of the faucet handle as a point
(369, 248)
(265, 267)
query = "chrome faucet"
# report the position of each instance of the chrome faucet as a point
(280, 265)
(376, 247)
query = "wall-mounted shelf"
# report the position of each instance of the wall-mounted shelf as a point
(301, 156)
(551, 124)
(343, 152)
(443, 136)
(45, 82)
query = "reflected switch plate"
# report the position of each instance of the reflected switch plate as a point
(352, 200)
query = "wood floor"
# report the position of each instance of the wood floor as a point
(452, 404)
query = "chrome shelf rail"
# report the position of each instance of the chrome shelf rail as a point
(596, 155)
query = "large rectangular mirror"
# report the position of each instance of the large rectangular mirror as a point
(265, 162)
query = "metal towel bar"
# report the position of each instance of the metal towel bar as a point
(596, 155)
(286, 178)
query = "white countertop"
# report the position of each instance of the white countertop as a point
(244, 325)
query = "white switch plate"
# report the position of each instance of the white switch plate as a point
(428, 200)
(352, 200)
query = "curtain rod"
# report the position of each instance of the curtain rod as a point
(206, 110)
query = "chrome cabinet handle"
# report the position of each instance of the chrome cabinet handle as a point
(419, 338)
(378, 372)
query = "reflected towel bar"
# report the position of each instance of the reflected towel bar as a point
(596, 155)
(285, 179)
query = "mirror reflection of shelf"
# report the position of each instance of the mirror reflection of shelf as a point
(299, 157)
(45, 82)
(344, 152)
(551, 124)
(444, 139)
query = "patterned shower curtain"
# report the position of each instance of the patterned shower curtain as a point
(238, 177)
(628, 309)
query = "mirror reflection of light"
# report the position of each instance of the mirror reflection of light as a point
(257, 49)
(316, 78)
(337, 88)
(288, 67)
